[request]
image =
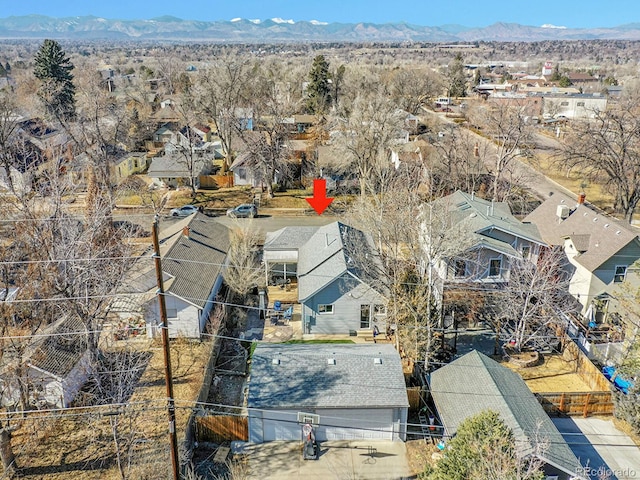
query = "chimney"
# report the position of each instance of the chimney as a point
(185, 231)
(581, 198)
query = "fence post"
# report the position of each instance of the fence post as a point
(561, 407)
(585, 413)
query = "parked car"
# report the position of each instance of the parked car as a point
(246, 210)
(184, 211)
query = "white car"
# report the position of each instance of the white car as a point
(184, 211)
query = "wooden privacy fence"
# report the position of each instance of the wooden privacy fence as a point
(415, 400)
(215, 181)
(577, 403)
(221, 428)
(584, 367)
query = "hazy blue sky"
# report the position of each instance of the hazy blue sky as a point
(472, 13)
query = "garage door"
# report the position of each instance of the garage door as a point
(281, 430)
(356, 424)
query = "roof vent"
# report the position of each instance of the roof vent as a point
(331, 361)
(275, 361)
(377, 361)
(606, 225)
(618, 232)
(595, 219)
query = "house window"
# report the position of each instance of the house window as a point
(325, 308)
(495, 266)
(621, 273)
(172, 313)
(380, 309)
(365, 316)
(580, 104)
(564, 104)
(526, 251)
(460, 268)
(242, 173)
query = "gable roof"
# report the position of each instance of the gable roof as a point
(57, 353)
(332, 251)
(195, 262)
(173, 166)
(190, 267)
(289, 238)
(474, 383)
(596, 236)
(304, 379)
(481, 216)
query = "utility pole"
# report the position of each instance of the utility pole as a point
(171, 407)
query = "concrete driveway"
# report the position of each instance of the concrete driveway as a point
(601, 447)
(339, 460)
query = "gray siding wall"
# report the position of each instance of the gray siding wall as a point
(346, 295)
(335, 424)
(625, 256)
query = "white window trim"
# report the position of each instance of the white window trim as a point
(499, 269)
(623, 275)
(382, 312)
(325, 305)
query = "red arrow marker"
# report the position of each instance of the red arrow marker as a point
(319, 201)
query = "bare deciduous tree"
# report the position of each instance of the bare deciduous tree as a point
(221, 92)
(365, 131)
(606, 148)
(534, 304)
(412, 87)
(504, 123)
(243, 271)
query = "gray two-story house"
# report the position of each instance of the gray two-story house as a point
(338, 272)
(486, 239)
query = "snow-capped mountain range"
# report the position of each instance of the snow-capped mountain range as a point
(276, 30)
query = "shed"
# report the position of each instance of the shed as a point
(58, 362)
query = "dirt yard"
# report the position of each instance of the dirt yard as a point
(554, 374)
(80, 444)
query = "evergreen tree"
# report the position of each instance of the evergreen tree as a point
(7, 67)
(3, 71)
(484, 448)
(53, 69)
(457, 78)
(318, 90)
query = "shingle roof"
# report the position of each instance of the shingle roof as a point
(173, 166)
(304, 379)
(58, 354)
(482, 216)
(288, 238)
(334, 250)
(599, 237)
(474, 383)
(195, 262)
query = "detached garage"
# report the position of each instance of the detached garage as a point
(346, 391)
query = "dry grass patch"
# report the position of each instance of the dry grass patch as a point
(80, 444)
(573, 181)
(554, 375)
